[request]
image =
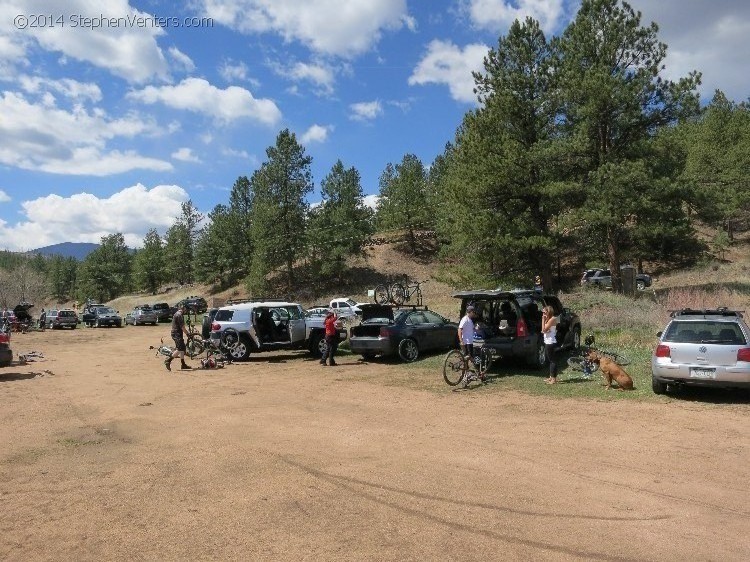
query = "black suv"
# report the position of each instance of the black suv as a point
(194, 304)
(511, 322)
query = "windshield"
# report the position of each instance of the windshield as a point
(105, 310)
(351, 302)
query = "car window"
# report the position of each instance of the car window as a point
(293, 312)
(704, 331)
(433, 317)
(105, 310)
(67, 313)
(224, 315)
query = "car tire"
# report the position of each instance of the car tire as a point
(73, 327)
(640, 285)
(408, 350)
(658, 386)
(539, 358)
(241, 351)
(368, 356)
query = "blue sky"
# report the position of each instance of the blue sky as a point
(112, 114)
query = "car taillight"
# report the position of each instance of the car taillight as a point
(743, 354)
(522, 330)
(4, 338)
(385, 332)
(215, 327)
(662, 351)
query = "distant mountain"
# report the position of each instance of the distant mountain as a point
(77, 250)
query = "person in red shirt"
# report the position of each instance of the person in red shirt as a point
(331, 324)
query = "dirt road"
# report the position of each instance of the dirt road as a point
(106, 456)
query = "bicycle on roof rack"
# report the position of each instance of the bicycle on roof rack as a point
(398, 293)
(580, 361)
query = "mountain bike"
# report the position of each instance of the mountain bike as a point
(403, 293)
(581, 363)
(458, 367)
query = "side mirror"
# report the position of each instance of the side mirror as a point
(658, 334)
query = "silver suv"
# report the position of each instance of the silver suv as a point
(270, 325)
(702, 348)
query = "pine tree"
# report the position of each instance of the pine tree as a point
(148, 263)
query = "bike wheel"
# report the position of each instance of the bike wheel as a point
(454, 368)
(382, 296)
(576, 363)
(398, 294)
(194, 346)
(618, 358)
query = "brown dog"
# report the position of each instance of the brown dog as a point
(611, 371)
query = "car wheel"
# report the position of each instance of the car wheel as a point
(408, 350)
(539, 358)
(640, 285)
(658, 387)
(368, 356)
(318, 345)
(241, 351)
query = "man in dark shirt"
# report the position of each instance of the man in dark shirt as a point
(178, 329)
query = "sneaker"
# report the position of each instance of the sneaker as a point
(185, 367)
(167, 363)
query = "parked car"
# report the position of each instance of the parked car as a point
(270, 325)
(602, 278)
(702, 348)
(346, 307)
(6, 353)
(164, 312)
(62, 318)
(406, 332)
(141, 315)
(317, 310)
(510, 322)
(106, 316)
(89, 313)
(194, 304)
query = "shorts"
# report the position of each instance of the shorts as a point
(179, 343)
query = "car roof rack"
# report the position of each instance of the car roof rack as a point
(254, 299)
(720, 311)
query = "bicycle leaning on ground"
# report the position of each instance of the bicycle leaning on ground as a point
(458, 367)
(581, 363)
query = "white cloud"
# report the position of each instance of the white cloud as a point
(105, 40)
(371, 201)
(182, 60)
(316, 133)
(497, 15)
(233, 72)
(84, 217)
(4, 197)
(185, 155)
(721, 52)
(244, 154)
(366, 110)
(68, 87)
(446, 63)
(199, 96)
(345, 29)
(319, 74)
(47, 138)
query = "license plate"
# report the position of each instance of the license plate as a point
(696, 373)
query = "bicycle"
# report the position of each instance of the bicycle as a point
(581, 362)
(458, 367)
(398, 293)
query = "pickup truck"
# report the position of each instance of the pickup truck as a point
(346, 307)
(602, 278)
(270, 325)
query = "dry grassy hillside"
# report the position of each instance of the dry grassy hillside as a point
(725, 281)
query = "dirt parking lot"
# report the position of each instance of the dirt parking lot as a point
(107, 456)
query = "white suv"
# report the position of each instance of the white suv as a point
(270, 325)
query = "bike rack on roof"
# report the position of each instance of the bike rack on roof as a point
(255, 299)
(720, 311)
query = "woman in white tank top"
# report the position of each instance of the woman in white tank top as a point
(549, 330)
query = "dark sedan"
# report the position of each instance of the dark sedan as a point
(408, 332)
